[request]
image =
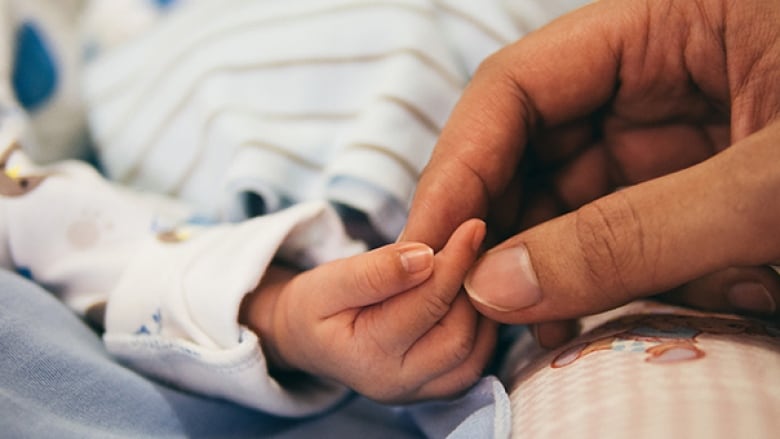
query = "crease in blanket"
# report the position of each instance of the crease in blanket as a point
(483, 412)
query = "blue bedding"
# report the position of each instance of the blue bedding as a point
(58, 381)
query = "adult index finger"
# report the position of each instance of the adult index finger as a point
(562, 72)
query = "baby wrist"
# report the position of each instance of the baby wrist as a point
(260, 312)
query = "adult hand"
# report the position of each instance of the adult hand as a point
(658, 121)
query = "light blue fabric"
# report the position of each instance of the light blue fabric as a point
(483, 412)
(58, 381)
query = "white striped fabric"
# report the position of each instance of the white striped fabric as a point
(297, 100)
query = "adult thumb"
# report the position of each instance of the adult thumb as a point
(639, 241)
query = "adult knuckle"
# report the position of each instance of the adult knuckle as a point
(613, 244)
(507, 77)
(490, 64)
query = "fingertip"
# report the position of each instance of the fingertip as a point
(416, 257)
(480, 230)
(471, 232)
(504, 280)
(550, 335)
(743, 290)
(751, 297)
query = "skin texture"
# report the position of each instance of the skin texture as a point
(393, 330)
(630, 148)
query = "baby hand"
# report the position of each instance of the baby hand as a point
(392, 324)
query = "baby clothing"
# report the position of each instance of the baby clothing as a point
(243, 107)
(288, 101)
(234, 108)
(173, 286)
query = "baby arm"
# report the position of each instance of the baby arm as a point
(172, 287)
(391, 324)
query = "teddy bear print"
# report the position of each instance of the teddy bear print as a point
(663, 338)
(85, 231)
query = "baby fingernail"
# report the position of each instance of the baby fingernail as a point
(479, 237)
(504, 280)
(416, 258)
(751, 296)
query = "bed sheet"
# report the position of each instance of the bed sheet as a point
(58, 381)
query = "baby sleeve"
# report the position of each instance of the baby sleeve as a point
(172, 286)
(174, 311)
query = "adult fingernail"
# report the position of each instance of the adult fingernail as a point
(416, 258)
(504, 280)
(751, 296)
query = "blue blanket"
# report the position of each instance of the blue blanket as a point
(58, 381)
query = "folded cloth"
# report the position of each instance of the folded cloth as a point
(340, 100)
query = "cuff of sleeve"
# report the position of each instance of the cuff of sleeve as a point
(239, 373)
(174, 313)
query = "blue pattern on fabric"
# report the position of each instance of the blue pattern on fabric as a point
(157, 319)
(201, 220)
(35, 74)
(25, 272)
(163, 4)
